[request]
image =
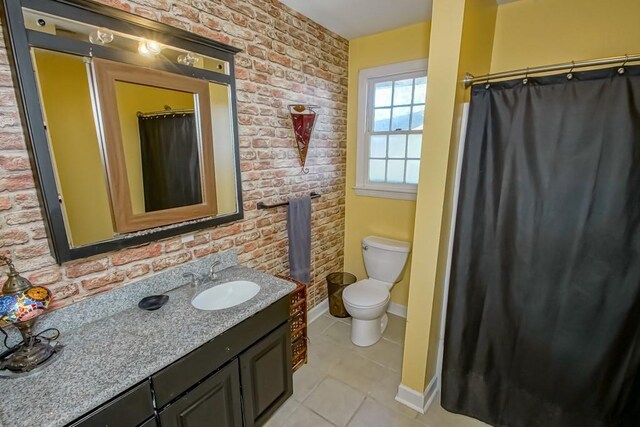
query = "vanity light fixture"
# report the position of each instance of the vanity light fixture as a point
(188, 59)
(101, 36)
(149, 48)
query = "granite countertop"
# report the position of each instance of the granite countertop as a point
(107, 356)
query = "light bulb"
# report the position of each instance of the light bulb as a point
(101, 36)
(149, 48)
(188, 59)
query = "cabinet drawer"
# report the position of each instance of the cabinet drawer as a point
(130, 409)
(177, 378)
(215, 402)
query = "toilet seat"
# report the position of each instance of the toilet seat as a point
(368, 293)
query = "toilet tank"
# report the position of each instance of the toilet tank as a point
(384, 258)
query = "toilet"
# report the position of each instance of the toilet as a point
(367, 300)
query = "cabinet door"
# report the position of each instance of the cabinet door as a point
(267, 379)
(213, 403)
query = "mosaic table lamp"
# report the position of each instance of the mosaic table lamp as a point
(20, 304)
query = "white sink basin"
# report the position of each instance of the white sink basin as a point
(225, 295)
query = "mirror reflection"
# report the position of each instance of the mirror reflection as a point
(173, 159)
(161, 146)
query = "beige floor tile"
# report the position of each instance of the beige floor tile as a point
(283, 414)
(303, 417)
(373, 414)
(318, 326)
(358, 372)
(437, 416)
(346, 320)
(385, 392)
(395, 329)
(335, 401)
(340, 333)
(324, 353)
(385, 353)
(305, 380)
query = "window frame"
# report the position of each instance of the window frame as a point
(367, 79)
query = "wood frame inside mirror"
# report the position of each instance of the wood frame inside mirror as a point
(107, 74)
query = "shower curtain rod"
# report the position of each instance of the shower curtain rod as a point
(470, 79)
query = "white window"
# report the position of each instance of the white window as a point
(390, 120)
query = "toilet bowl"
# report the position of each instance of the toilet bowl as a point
(367, 300)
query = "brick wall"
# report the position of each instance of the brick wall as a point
(286, 59)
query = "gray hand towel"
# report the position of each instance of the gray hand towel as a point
(299, 230)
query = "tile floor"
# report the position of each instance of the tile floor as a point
(345, 385)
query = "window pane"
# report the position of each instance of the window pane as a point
(414, 146)
(401, 116)
(397, 146)
(376, 170)
(378, 146)
(382, 96)
(381, 119)
(417, 117)
(395, 171)
(420, 91)
(413, 171)
(402, 92)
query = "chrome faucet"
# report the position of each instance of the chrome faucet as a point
(212, 273)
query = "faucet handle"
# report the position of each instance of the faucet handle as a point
(195, 281)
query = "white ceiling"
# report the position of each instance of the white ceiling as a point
(357, 18)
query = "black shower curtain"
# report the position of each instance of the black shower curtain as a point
(543, 320)
(170, 161)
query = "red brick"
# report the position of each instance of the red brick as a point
(63, 291)
(45, 277)
(16, 182)
(5, 203)
(135, 254)
(23, 217)
(14, 163)
(13, 237)
(171, 261)
(27, 200)
(137, 271)
(83, 268)
(104, 280)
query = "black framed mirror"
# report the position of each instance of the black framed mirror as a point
(132, 124)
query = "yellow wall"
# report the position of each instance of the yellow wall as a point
(539, 32)
(79, 165)
(461, 40)
(371, 215)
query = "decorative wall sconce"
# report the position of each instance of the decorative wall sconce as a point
(303, 118)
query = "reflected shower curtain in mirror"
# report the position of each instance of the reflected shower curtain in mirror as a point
(170, 161)
(543, 319)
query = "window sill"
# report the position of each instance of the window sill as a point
(386, 194)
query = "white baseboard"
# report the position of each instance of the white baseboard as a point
(414, 399)
(318, 310)
(397, 309)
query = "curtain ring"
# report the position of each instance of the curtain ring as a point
(621, 69)
(487, 85)
(526, 77)
(570, 74)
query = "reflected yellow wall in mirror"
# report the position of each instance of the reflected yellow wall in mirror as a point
(224, 154)
(131, 99)
(64, 87)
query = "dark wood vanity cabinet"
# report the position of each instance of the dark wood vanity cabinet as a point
(237, 379)
(266, 376)
(214, 402)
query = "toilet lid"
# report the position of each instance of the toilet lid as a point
(366, 293)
